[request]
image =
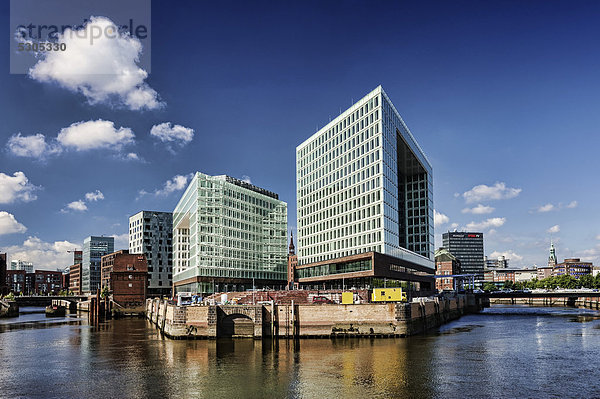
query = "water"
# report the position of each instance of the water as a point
(505, 352)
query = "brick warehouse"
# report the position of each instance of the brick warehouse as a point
(126, 276)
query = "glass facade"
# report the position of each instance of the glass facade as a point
(94, 248)
(468, 249)
(335, 268)
(364, 184)
(225, 229)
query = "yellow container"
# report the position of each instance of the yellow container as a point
(347, 298)
(388, 295)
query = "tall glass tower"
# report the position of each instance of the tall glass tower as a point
(364, 186)
(228, 235)
(94, 248)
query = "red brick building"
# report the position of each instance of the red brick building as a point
(126, 276)
(292, 263)
(15, 280)
(446, 264)
(47, 282)
(75, 278)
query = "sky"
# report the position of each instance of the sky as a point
(502, 96)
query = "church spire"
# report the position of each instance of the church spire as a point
(292, 249)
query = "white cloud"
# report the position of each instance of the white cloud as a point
(486, 224)
(94, 196)
(31, 146)
(176, 133)
(511, 255)
(16, 187)
(121, 241)
(553, 229)
(83, 136)
(453, 226)
(572, 204)
(104, 70)
(483, 192)
(44, 255)
(78, 206)
(132, 156)
(9, 225)
(177, 183)
(479, 210)
(439, 218)
(247, 179)
(546, 208)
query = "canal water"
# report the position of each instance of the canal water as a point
(504, 352)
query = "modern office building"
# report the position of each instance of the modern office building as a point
(228, 235)
(572, 267)
(365, 201)
(94, 248)
(468, 248)
(500, 262)
(21, 265)
(151, 234)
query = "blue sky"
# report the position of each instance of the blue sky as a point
(502, 97)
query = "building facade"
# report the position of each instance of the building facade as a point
(446, 264)
(292, 263)
(3, 278)
(151, 234)
(94, 248)
(572, 267)
(500, 262)
(468, 248)
(544, 272)
(364, 187)
(21, 265)
(125, 275)
(75, 279)
(228, 235)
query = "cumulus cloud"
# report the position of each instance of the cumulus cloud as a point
(486, 224)
(439, 218)
(572, 204)
(104, 70)
(483, 192)
(31, 146)
(176, 183)
(91, 135)
(479, 210)
(507, 254)
(94, 196)
(121, 241)
(246, 179)
(546, 208)
(44, 255)
(9, 225)
(176, 133)
(554, 229)
(16, 188)
(80, 205)
(453, 226)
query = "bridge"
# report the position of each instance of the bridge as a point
(36, 300)
(549, 294)
(588, 299)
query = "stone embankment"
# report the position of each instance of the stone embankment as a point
(308, 320)
(9, 308)
(580, 302)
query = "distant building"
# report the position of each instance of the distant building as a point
(544, 272)
(151, 234)
(15, 280)
(228, 235)
(572, 267)
(94, 248)
(21, 265)
(552, 258)
(126, 277)
(3, 277)
(499, 275)
(468, 249)
(446, 264)
(595, 271)
(500, 262)
(75, 279)
(523, 275)
(292, 263)
(47, 282)
(66, 278)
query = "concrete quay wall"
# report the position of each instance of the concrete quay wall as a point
(581, 302)
(298, 321)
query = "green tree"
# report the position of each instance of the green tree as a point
(587, 281)
(508, 284)
(490, 287)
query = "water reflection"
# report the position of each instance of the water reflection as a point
(504, 352)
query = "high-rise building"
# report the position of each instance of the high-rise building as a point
(228, 235)
(365, 201)
(94, 248)
(468, 248)
(21, 265)
(151, 233)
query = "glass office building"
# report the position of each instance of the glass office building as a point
(94, 248)
(468, 248)
(228, 235)
(150, 233)
(365, 203)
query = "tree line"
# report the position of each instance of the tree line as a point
(564, 281)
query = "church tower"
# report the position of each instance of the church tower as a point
(552, 258)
